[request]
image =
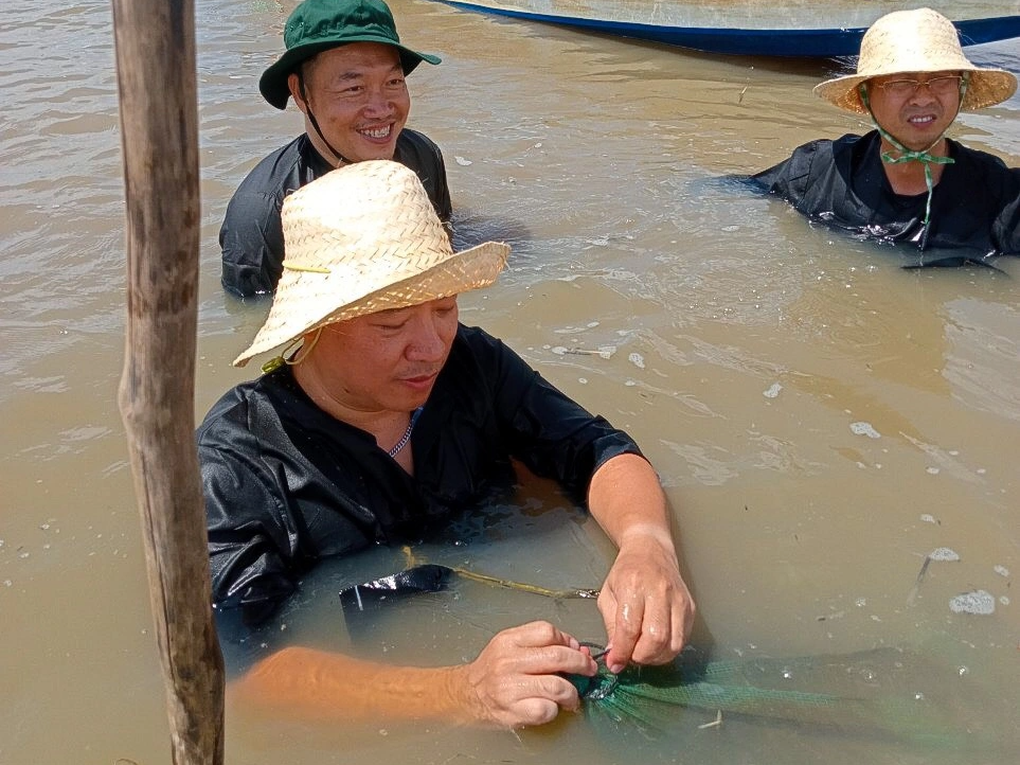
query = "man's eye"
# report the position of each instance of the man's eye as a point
(898, 86)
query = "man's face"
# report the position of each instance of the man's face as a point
(916, 117)
(359, 98)
(387, 361)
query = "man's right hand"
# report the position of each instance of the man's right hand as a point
(517, 680)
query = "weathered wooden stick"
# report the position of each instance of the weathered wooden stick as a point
(155, 42)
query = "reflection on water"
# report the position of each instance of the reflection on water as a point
(822, 419)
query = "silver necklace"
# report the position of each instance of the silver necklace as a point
(407, 434)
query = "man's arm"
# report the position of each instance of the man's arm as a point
(251, 243)
(517, 680)
(645, 603)
(1005, 232)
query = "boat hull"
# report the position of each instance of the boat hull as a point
(830, 42)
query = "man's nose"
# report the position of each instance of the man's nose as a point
(379, 103)
(923, 93)
(427, 343)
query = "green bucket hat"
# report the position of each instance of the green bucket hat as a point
(318, 25)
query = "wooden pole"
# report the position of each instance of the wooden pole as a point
(155, 43)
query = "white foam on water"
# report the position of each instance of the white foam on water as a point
(977, 602)
(864, 429)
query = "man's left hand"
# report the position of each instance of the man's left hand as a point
(646, 606)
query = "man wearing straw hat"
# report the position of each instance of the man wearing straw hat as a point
(381, 418)
(345, 66)
(905, 181)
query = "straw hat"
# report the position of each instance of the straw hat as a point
(921, 40)
(361, 239)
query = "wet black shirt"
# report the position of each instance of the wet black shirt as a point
(976, 204)
(286, 484)
(251, 237)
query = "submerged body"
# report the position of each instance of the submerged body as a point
(975, 206)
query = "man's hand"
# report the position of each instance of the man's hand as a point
(517, 678)
(645, 604)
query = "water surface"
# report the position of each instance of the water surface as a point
(821, 418)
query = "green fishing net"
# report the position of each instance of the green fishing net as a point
(772, 691)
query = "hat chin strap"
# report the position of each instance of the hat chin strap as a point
(908, 155)
(341, 159)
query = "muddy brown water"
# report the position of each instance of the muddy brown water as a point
(821, 418)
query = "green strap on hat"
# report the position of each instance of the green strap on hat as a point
(318, 25)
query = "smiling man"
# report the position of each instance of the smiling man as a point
(344, 66)
(905, 181)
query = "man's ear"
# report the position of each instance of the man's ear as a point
(297, 91)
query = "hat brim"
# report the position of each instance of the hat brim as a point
(463, 271)
(273, 82)
(987, 87)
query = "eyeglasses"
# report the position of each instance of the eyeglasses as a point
(943, 85)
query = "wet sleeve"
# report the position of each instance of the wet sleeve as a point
(251, 532)
(420, 153)
(550, 433)
(441, 197)
(1006, 227)
(251, 241)
(789, 178)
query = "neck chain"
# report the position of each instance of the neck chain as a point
(407, 434)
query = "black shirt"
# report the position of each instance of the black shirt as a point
(975, 206)
(286, 484)
(251, 237)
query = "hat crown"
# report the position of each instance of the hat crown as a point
(372, 221)
(920, 40)
(361, 239)
(317, 21)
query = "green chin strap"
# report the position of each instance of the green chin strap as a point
(907, 155)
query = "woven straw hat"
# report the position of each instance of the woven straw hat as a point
(361, 239)
(921, 40)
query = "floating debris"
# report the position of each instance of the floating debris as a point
(912, 595)
(772, 391)
(462, 161)
(943, 554)
(603, 351)
(932, 471)
(637, 360)
(1001, 570)
(928, 518)
(715, 723)
(828, 617)
(978, 602)
(864, 429)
